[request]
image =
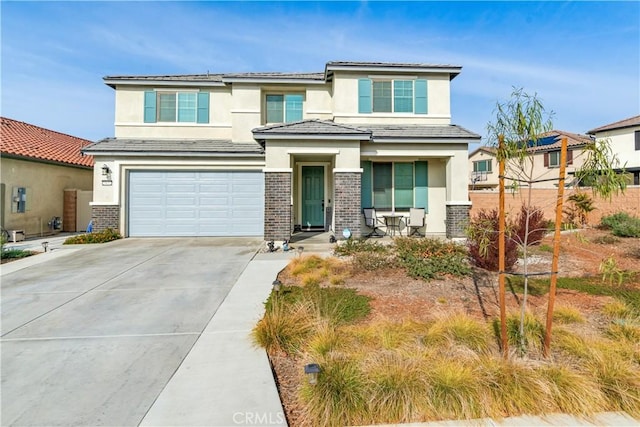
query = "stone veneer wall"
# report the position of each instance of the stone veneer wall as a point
(277, 205)
(106, 216)
(457, 220)
(346, 205)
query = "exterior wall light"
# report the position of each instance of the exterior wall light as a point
(312, 370)
(105, 170)
(277, 284)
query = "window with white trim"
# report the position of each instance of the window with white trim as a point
(379, 95)
(482, 166)
(176, 106)
(283, 108)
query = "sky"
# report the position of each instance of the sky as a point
(581, 58)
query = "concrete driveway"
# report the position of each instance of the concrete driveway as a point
(93, 336)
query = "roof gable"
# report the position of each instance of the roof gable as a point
(311, 127)
(33, 142)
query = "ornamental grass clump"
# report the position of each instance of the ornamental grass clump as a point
(285, 327)
(460, 329)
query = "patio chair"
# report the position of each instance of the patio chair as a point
(372, 221)
(416, 221)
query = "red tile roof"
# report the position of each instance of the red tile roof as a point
(631, 121)
(33, 142)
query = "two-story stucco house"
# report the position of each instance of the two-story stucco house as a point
(624, 139)
(545, 156)
(264, 154)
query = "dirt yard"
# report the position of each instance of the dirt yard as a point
(396, 296)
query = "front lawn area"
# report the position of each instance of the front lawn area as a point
(407, 333)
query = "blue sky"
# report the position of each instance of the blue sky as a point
(581, 58)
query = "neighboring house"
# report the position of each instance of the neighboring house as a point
(37, 166)
(624, 137)
(483, 166)
(263, 154)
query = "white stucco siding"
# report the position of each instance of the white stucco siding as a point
(622, 143)
(345, 101)
(245, 111)
(280, 153)
(317, 104)
(129, 117)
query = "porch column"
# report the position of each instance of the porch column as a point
(105, 216)
(346, 204)
(458, 205)
(277, 204)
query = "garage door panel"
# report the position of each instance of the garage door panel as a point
(172, 203)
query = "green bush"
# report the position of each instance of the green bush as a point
(339, 305)
(428, 258)
(354, 246)
(104, 236)
(15, 253)
(622, 224)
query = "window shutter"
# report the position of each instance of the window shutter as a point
(422, 185)
(366, 189)
(546, 160)
(150, 106)
(569, 157)
(364, 96)
(420, 96)
(203, 107)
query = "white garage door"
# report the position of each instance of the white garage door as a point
(221, 203)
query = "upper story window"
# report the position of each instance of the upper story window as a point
(283, 108)
(176, 107)
(637, 136)
(552, 158)
(387, 96)
(482, 166)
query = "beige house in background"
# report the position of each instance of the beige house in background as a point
(265, 154)
(624, 138)
(483, 167)
(37, 166)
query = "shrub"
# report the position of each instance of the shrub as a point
(483, 241)
(15, 253)
(622, 224)
(577, 212)
(284, 327)
(430, 258)
(372, 261)
(352, 246)
(606, 240)
(339, 305)
(103, 236)
(537, 226)
(563, 314)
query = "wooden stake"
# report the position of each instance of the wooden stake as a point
(501, 249)
(556, 250)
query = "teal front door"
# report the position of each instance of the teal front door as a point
(312, 197)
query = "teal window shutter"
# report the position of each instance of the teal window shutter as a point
(364, 96)
(203, 107)
(422, 185)
(150, 106)
(293, 108)
(403, 185)
(421, 106)
(366, 190)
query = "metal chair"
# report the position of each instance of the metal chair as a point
(371, 220)
(416, 221)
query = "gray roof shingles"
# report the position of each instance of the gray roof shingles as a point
(631, 121)
(209, 146)
(376, 132)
